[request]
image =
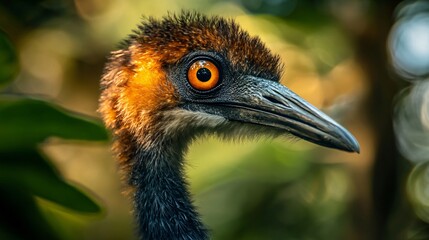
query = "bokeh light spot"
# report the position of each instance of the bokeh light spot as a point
(418, 190)
(409, 43)
(411, 122)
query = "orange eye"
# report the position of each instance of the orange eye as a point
(203, 75)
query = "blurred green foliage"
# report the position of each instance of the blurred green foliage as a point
(32, 13)
(26, 122)
(302, 13)
(8, 60)
(277, 193)
(25, 173)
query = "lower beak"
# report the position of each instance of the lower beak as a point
(271, 104)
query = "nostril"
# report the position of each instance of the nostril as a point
(274, 100)
(277, 101)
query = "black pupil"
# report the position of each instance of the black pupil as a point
(203, 74)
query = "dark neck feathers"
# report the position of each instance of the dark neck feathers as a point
(163, 207)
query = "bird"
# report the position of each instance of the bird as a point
(186, 75)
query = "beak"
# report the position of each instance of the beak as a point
(271, 104)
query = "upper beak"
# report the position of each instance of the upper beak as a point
(269, 103)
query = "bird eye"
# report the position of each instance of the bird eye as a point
(203, 75)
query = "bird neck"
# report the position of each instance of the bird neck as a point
(162, 201)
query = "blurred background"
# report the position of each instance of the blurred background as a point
(364, 62)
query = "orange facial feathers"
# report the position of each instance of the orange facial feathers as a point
(140, 91)
(132, 97)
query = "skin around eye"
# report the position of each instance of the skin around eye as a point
(203, 75)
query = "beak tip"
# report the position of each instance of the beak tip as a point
(352, 144)
(356, 148)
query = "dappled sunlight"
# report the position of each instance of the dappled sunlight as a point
(45, 55)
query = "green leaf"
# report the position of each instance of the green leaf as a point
(29, 171)
(8, 60)
(26, 122)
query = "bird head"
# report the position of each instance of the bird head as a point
(188, 74)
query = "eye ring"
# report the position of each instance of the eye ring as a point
(203, 74)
